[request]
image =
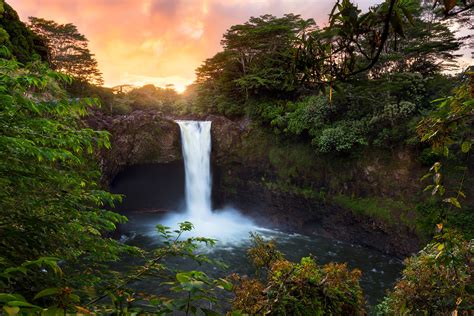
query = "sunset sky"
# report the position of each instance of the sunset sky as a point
(161, 41)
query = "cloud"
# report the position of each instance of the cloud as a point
(161, 40)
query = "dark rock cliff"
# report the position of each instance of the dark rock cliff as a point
(136, 138)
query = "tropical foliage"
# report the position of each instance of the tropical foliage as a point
(366, 79)
(303, 288)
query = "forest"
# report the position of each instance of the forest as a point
(374, 81)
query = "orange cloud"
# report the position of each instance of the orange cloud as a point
(160, 41)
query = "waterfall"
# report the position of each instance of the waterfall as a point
(196, 146)
(227, 224)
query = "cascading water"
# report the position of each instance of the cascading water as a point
(196, 144)
(227, 225)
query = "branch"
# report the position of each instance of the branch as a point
(467, 7)
(383, 40)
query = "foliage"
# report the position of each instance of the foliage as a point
(149, 96)
(439, 280)
(303, 288)
(50, 203)
(68, 49)
(449, 125)
(340, 138)
(188, 290)
(303, 81)
(431, 212)
(20, 41)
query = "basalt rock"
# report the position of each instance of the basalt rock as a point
(142, 137)
(136, 138)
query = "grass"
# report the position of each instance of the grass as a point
(385, 209)
(306, 192)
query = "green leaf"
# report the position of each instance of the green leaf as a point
(454, 201)
(466, 147)
(397, 24)
(183, 277)
(47, 292)
(445, 151)
(426, 176)
(4, 297)
(224, 284)
(21, 304)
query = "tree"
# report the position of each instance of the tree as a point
(51, 203)
(263, 47)
(22, 42)
(69, 50)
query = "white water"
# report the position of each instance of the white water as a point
(226, 225)
(196, 146)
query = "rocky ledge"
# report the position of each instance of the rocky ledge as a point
(142, 137)
(136, 138)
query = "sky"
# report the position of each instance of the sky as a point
(161, 41)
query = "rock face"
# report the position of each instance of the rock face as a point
(150, 137)
(281, 186)
(137, 138)
(293, 212)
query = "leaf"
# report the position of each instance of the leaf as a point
(454, 201)
(446, 151)
(426, 176)
(10, 310)
(4, 297)
(429, 187)
(183, 277)
(21, 304)
(436, 166)
(82, 310)
(47, 292)
(396, 23)
(466, 147)
(407, 14)
(224, 284)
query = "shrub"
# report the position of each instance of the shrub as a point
(341, 138)
(439, 280)
(303, 288)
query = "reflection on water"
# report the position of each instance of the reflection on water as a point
(379, 272)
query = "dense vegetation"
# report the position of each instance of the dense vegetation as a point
(366, 80)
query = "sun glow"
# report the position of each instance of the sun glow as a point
(175, 82)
